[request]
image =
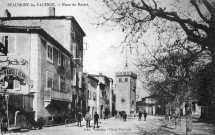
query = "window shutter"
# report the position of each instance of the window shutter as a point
(74, 76)
(80, 79)
(49, 80)
(2, 40)
(11, 45)
(59, 58)
(89, 95)
(74, 50)
(59, 83)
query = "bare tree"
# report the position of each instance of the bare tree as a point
(171, 73)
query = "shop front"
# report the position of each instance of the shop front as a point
(17, 105)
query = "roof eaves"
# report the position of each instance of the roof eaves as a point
(29, 29)
(44, 17)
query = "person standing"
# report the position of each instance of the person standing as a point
(87, 118)
(79, 118)
(140, 115)
(4, 124)
(145, 115)
(124, 115)
(96, 119)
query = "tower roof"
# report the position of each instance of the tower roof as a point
(126, 73)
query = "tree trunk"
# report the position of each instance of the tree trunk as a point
(188, 108)
(211, 47)
(211, 115)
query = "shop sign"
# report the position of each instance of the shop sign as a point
(16, 72)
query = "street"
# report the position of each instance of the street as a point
(154, 125)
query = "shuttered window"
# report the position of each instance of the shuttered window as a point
(9, 42)
(59, 58)
(50, 53)
(49, 79)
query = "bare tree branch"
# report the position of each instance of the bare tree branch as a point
(198, 10)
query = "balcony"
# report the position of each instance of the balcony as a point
(50, 94)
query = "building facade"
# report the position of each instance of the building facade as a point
(49, 51)
(44, 61)
(91, 85)
(126, 92)
(104, 94)
(148, 104)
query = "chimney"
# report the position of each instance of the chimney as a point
(51, 11)
(7, 13)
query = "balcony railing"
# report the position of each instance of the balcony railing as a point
(50, 94)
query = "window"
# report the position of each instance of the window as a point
(59, 58)
(14, 84)
(9, 43)
(126, 79)
(49, 79)
(65, 61)
(193, 107)
(62, 83)
(49, 53)
(120, 79)
(94, 96)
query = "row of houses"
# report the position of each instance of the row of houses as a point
(100, 94)
(153, 107)
(41, 70)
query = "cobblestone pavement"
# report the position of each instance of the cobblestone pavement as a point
(153, 126)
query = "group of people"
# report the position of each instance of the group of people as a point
(140, 115)
(87, 119)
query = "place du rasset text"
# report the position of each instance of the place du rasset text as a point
(45, 4)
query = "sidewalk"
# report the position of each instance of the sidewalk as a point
(198, 127)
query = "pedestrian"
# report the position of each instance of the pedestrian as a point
(4, 126)
(145, 115)
(79, 118)
(115, 113)
(140, 115)
(124, 116)
(106, 114)
(96, 119)
(87, 118)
